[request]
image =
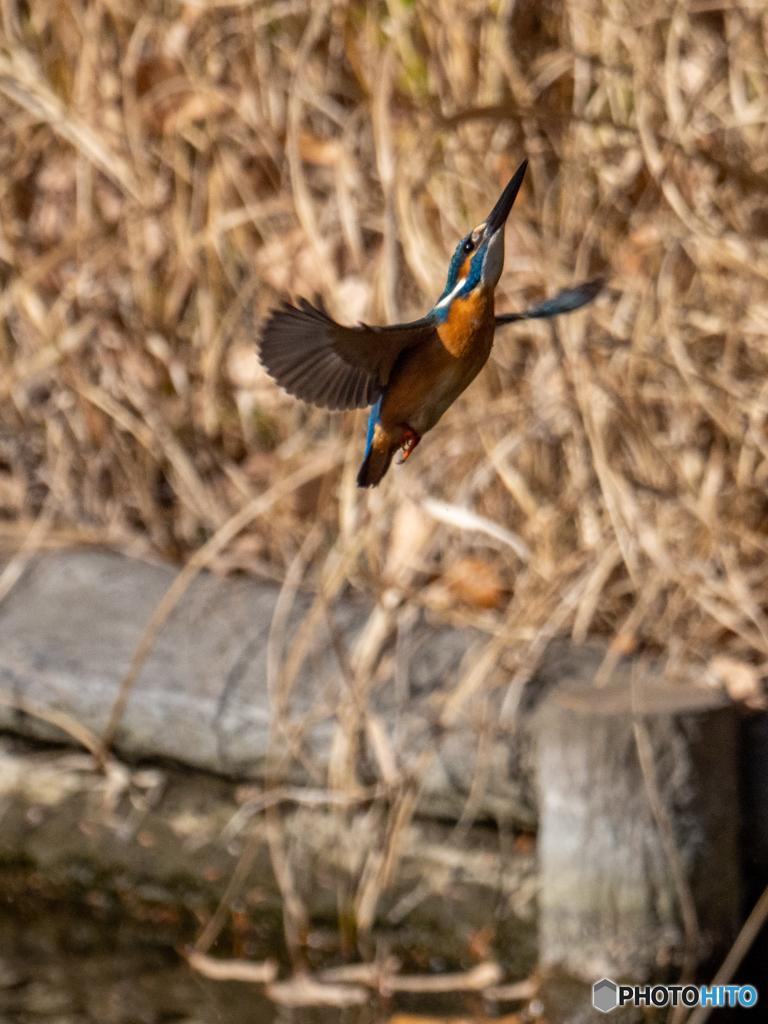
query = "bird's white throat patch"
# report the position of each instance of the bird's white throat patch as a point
(451, 295)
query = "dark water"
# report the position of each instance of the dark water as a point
(61, 968)
(59, 965)
(62, 964)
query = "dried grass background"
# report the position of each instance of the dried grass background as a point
(169, 171)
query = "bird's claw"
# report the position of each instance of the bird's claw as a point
(409, 442)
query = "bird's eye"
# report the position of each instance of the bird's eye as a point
(469, 245)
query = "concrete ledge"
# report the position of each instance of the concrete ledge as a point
(69, 628)
(173, 838)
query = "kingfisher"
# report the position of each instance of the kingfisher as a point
(408, 373)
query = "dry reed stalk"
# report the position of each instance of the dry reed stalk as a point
(265, 801)
(232, 970)
(168, 175)
(259, 506)
(516, 990)
(664, 824)
(31, 543)
(68, 725)
(302, 990)
(478, 978)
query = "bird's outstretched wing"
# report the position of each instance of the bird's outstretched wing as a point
(566, 301)
(335, 367)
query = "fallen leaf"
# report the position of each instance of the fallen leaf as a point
(524, 843)
(315, 150)
(480, 943)
(475, 581)
(197, 107)
(741, 680)
(641, 252)
(624, 643)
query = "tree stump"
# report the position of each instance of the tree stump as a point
(609, 904)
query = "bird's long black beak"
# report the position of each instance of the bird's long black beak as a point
(500, 212)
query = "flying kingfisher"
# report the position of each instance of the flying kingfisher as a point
(409, 373)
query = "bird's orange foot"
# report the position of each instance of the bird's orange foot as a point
(409, 442)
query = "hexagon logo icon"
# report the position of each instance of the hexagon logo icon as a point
(605, 995)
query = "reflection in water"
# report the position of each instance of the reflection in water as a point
(65, 968)
(60, 966)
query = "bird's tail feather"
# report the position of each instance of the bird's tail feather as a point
(375, 465)
(566, 301)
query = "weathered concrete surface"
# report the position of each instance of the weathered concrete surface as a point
(608, 902)
(69, 628)
(172, 838)
(72, 624)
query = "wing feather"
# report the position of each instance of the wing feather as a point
(329, 365)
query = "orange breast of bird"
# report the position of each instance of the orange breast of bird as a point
(465, 330)
(430, 378)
